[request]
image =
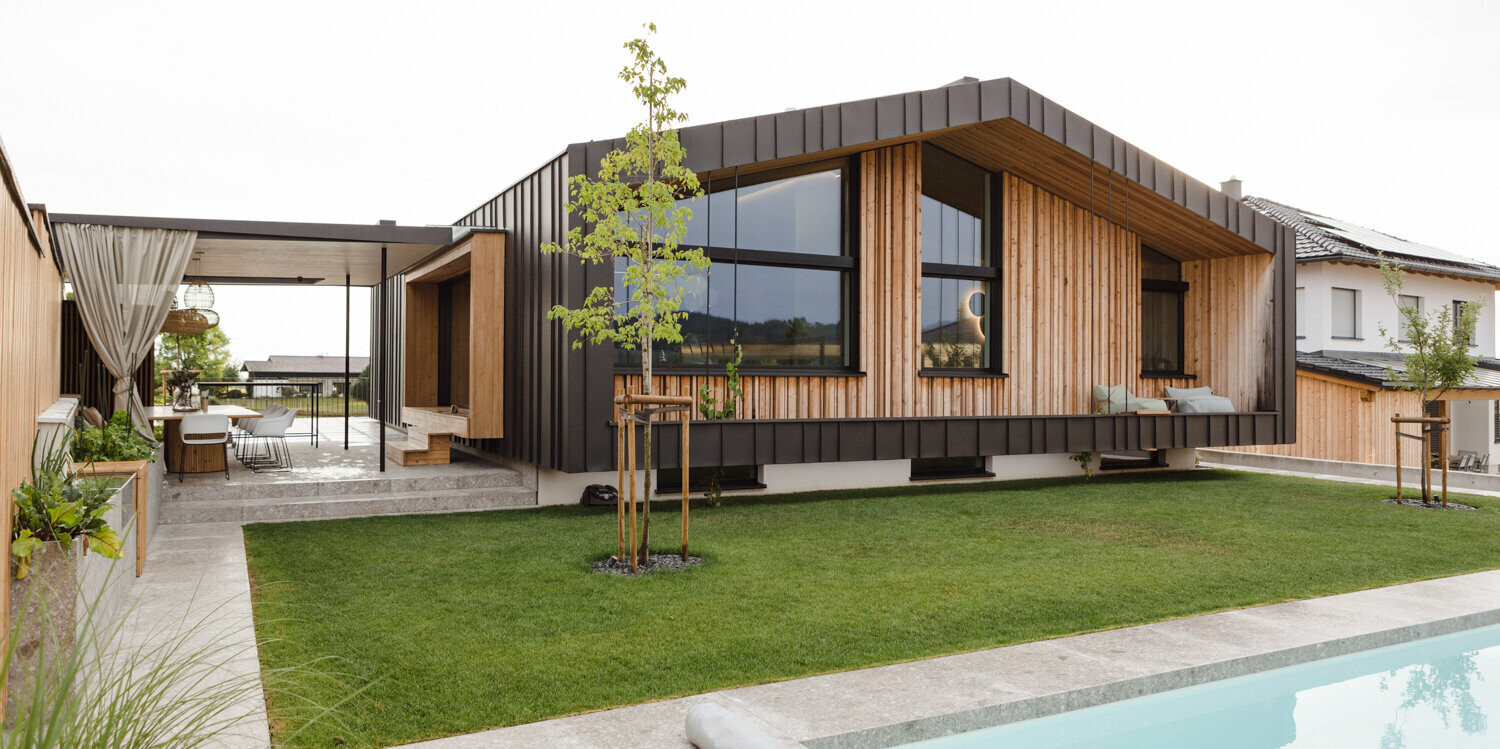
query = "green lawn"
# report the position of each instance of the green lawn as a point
(464, 622)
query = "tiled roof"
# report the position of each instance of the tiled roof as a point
(311, 365)
(1375, 367)
(1323, 238)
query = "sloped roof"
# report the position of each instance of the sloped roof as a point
(1000, 107)
(1375, 367)
(1321, 238)
(310, 365)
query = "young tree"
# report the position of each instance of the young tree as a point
(631, 219)
(207, 352)
(1436, 347)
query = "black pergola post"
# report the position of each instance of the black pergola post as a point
(380, 398)
(346, 361)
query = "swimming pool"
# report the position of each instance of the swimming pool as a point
(1438, 693)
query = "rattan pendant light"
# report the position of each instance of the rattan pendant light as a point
(195, 315)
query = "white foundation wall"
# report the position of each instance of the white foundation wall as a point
(558, 488)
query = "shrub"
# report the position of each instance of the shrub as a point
(58, 505)
(118, 440)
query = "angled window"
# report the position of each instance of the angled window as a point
(1345, 318)
(1406, 302)
(780, 277)
(1162, 294)
(957, 272)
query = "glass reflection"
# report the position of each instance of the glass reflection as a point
(955, 323)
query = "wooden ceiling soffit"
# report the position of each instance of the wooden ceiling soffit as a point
(1164, 225)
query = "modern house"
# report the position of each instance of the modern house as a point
(1344, 391)
(925, 285)
(305, 368)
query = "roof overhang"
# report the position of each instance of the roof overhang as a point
(291, 253)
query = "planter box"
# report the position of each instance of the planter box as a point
(44, 611)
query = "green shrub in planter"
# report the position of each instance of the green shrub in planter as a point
(56, 505)
(118, 440)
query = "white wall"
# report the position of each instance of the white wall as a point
(1317, 280)
(557, 488)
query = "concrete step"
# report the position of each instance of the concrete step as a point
(490, 477)
(274, 509)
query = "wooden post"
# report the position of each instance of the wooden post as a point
(619, 486)
(687, 416)
(1397, 426)
(1443, 440)
(631, 441)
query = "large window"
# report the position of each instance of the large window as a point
(956, 268)
(779, 281)
(1162, 293)
(1345, 317)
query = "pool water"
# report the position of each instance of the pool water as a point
(1437, 693)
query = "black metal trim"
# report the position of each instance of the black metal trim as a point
(1153, 375)
(958, 372)
(949, 270)
(712, 370)
(782, 259)
(273, 230)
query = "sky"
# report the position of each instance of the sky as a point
(1374, 112)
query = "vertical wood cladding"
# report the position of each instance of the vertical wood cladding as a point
(1335, 422)
(31, 292)
(1068, 317)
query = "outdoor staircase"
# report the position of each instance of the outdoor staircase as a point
(419, 449)
(493, 488)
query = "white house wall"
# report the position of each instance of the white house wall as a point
(1375, 308)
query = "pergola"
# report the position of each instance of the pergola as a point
(280, 253)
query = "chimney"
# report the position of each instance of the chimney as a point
(1232, 187)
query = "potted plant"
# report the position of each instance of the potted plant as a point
(180, 383)
(59, 516)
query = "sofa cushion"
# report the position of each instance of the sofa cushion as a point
(1146, 404)
(1212, 404)
(1187, 393)
(1110, 400)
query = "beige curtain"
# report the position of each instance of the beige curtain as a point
(124, 279)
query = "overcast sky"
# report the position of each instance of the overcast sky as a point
(1381, 113)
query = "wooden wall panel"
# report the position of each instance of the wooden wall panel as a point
(1334, 422)
(1068, 316)
(31, 292)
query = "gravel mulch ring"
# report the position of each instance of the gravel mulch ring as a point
(654, 563)
(1434, 506)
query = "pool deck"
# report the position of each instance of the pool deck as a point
(892, 705)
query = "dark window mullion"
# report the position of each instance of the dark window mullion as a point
(945, 270)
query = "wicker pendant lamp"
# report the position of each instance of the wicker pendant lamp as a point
(195, 315)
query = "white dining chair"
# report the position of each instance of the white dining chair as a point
(270, 432)
(202, 429)
(247, 425)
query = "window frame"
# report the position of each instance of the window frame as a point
(1456, 310)
(1300, 299)
(1179, 289)
(846, 263)
(1401, 335)
(1332, 295)
(989, 273)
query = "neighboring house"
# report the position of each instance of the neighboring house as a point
(1345, 396)
(918, 288)
(306, 368)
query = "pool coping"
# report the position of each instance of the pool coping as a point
(918, 700)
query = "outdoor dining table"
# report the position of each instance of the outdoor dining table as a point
(192, 458)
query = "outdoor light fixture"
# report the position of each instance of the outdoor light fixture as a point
(195, 315)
